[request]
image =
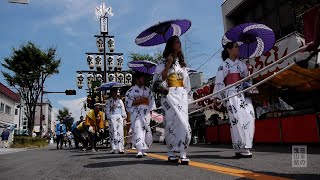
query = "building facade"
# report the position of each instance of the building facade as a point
(47, 117)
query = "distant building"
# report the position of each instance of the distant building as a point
(8, 98)
(20, 118)
(47, 114)
(196, 79)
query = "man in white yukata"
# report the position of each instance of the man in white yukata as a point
(139, 103)
(116, 114)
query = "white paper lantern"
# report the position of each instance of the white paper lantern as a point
(128, 79)
(89, 84)
(99, 77)
(98, 61)
(119, 62)
(80, 79)
(111, 77)
(100, 45)
(90, 77)
(110, 61)
(111, 44)
(90, 61)
(120, 78)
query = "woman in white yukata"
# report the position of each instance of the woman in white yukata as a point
(240, 109)
(171, 74)
(139, 103)
(116, 115)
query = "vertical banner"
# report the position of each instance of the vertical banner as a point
(309, 23)
(96, 95)
(104, 25)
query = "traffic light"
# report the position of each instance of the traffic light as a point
(70, 92)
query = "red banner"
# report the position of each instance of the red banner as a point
(309, 23)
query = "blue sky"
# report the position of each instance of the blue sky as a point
(69, 25)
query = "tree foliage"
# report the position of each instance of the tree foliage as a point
(64, 114)
(136, 56)
(28, 67)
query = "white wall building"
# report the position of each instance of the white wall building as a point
(8, 99)
(47, 113)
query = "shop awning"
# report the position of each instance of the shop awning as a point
(299, 78)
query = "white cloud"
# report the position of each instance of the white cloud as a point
(74, 11)
(74, 106)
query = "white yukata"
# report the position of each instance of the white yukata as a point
(116, 115)
(175, 106)
(140, 116)
(240, 109)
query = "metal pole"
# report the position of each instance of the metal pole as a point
(41, 101)
(104, 59)
(20, 114)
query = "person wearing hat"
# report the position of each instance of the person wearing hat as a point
(95, 124)
(139, 103)
(116, 115)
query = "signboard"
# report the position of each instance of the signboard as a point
(282, 48)
(104, 25)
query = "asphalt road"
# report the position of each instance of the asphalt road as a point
(208, 162)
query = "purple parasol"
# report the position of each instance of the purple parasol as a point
(161, 32)
(253, 39)
(110, 85)
(143, 66)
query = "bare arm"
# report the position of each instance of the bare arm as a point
(164, 73)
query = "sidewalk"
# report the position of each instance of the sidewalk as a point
(11, 150)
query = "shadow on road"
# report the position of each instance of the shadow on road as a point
(290, 176)
(211, 157)
(115, 156)
(276, 148)
(126, 163)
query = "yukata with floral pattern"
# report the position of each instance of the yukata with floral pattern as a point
(240, 109)
(116, 115)
(140, 116)
(175, 105)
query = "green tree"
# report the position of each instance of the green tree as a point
(27, 70)
(64, 114)
(136, 56)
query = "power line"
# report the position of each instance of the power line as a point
(208, 59)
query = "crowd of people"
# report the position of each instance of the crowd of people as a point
(129, 120)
